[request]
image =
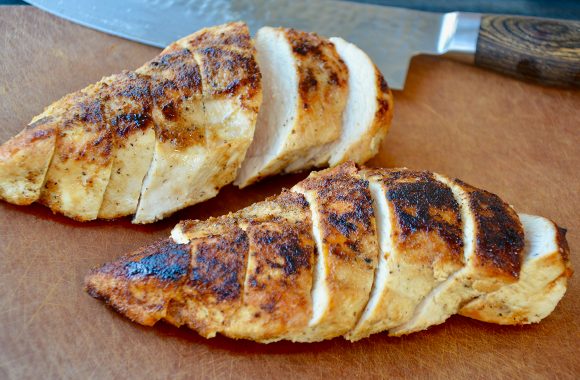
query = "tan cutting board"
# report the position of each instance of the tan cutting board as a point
(516, 139)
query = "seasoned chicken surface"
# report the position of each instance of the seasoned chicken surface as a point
(146, 142)
(344, 228)
(171, 133)
(208, 95)
(346, 252)
(420, 230)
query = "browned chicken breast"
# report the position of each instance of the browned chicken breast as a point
(147, 142)
(346, 252)
(174, 131)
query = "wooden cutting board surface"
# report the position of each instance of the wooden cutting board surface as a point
(515, 139)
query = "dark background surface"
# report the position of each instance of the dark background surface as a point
(566, 9)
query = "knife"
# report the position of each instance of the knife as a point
(541, 50)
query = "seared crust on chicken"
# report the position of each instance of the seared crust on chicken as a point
(421, 239)
(346, 252)
(346, 235)
(171, 133)
(147, 142)
(206, 98)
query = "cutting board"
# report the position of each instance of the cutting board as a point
(516, 139)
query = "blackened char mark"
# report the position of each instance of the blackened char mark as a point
(304, 43)
(133, 86)
(219, 266)
(91, 111)
(182, 68)
(421, 203)
(288, 199)
(355, 194)
(287, 251)
(169, 111)
(499, 233)
(128, 122)
(165, 261)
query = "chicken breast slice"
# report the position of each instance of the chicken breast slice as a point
(79, 172)
(305, 92)
(369, 109)
(24, 161)
(345, 233)
(129, 107)
(421, 241)
(278, 284)
(206, 100)
(542, 281)
(493, 240)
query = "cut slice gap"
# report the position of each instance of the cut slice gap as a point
(320, 301)
(344, 228)
(541, 285)
(130, 166)
(277, 115)
(278, 281)
(449, 295)
(368, 321)
(368, 112)
(419, 230)
(305, 91)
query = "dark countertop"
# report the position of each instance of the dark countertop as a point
(565, 9)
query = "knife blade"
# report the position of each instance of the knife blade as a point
(390, 36)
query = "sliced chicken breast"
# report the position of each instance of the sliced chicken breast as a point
(493, 248)
(421, 245)
(369, 109)
(173, 132)
(305, 92)
(344, 229)
(303, 266)
(542, 281)
(149, 142)
(207, 92)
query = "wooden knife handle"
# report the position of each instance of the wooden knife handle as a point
(541, 50)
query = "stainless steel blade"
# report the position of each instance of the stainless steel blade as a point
(391, 36)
